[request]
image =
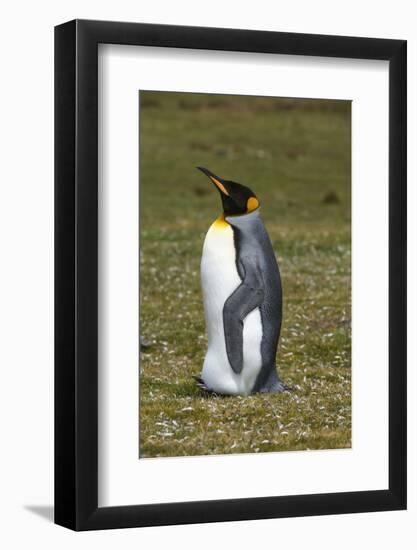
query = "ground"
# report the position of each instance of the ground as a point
(295, 154)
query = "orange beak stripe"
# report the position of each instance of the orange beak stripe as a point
(220, 186)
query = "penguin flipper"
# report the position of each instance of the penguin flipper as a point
(248, 296)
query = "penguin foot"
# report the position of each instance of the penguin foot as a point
(202, 385)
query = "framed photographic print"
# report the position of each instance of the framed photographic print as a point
(230, 252)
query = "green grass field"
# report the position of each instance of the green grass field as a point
(295, 155)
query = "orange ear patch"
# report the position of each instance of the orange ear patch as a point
(252, 204)
(219, 185)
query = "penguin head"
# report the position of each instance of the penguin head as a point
(237, 199)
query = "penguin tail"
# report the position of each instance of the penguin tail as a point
(277, 387)
(281, 387)
(273, 384)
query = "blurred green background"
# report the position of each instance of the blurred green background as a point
(296, 156)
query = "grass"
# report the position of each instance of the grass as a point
(295, 154)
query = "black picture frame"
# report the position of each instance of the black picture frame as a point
(76, 272)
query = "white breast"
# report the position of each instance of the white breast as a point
(219, 279)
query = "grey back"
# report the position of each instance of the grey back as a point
(254, 249)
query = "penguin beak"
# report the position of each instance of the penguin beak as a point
(218, 182)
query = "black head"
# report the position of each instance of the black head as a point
(236, 198)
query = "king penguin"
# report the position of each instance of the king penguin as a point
(242, 297)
